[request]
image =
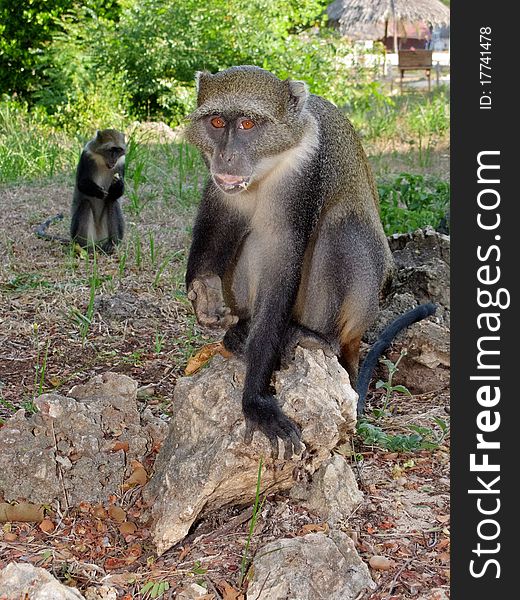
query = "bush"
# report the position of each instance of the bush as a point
(412, 201)
(156, 47)
(29, 146)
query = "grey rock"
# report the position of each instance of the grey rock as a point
(204, 463)
(20, 580)
(422, 275)
(332, 492)
(313, 567)
(65, 451)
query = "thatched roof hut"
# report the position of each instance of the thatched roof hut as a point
(357, 17)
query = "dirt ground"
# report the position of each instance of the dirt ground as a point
(52, 336)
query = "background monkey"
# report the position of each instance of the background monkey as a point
(287, 245)
(96, 215)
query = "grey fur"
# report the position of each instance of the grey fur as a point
(300, 241)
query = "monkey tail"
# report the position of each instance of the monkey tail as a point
(385, 339)
(41, 231)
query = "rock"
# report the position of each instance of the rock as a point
(435, 594)
(204, 463)
(155, 132)
(380, 563)
(422, 261)
(127, 307)
(103, 592)
(192, 592)
(332, 493)
(313, 567)
(21, 580)
(66, 449)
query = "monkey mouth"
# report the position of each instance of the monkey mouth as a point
(231, 184)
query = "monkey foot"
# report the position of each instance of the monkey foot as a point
(264, 414)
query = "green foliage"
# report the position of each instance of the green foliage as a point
(421, 438)
(257, 507)
(154, 589)
(372, 112)
(29, 145)
(153, 51)
(410, 202)
(388, 385)
(26, 29)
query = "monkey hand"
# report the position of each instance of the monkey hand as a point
(263, 413)
(205, 294)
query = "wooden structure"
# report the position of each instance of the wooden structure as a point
(414, 60)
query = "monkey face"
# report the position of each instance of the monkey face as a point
(112, 155)
(246, 118)
(110, 144)
(233, 138)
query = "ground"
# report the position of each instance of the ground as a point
(65, 316)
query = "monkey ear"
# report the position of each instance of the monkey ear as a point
(298, 94)
(200, 76)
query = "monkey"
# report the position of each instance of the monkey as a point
(96, 215)
(288, 246)
(383, 342)
(41, 230)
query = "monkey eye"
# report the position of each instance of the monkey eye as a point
(218, 122)
(246, 124)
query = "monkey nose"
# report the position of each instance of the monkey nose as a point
(231, 181)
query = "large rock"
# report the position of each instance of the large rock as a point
(422, 260)
(22, 580)
(204, 463)
(332, 493)
(67, 450)
(313, 567)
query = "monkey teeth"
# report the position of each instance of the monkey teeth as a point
(231, 183)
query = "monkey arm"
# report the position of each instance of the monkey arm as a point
(272, 312)
(117, 188)
(217, 234)
(84, 182)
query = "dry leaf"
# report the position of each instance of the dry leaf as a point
(115, 563)
(120, 446)
(184, 553)
(380, 563)
(9, 537)
(23, 511)
(314, 528)
(46, 526)
(138, 477)
(99, 512)
(442, 544)
(443, 518)
(117, 513)
(127, 528)
(203, 356)
(229, 592)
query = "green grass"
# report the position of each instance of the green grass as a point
(410, 202)
(30, 147)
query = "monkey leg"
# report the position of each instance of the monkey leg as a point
(298, 335)
(115, 225)
(236, 337)
(349, 358)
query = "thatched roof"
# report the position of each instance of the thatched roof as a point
(353, 14)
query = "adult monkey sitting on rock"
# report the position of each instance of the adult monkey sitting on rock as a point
(288, 245)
